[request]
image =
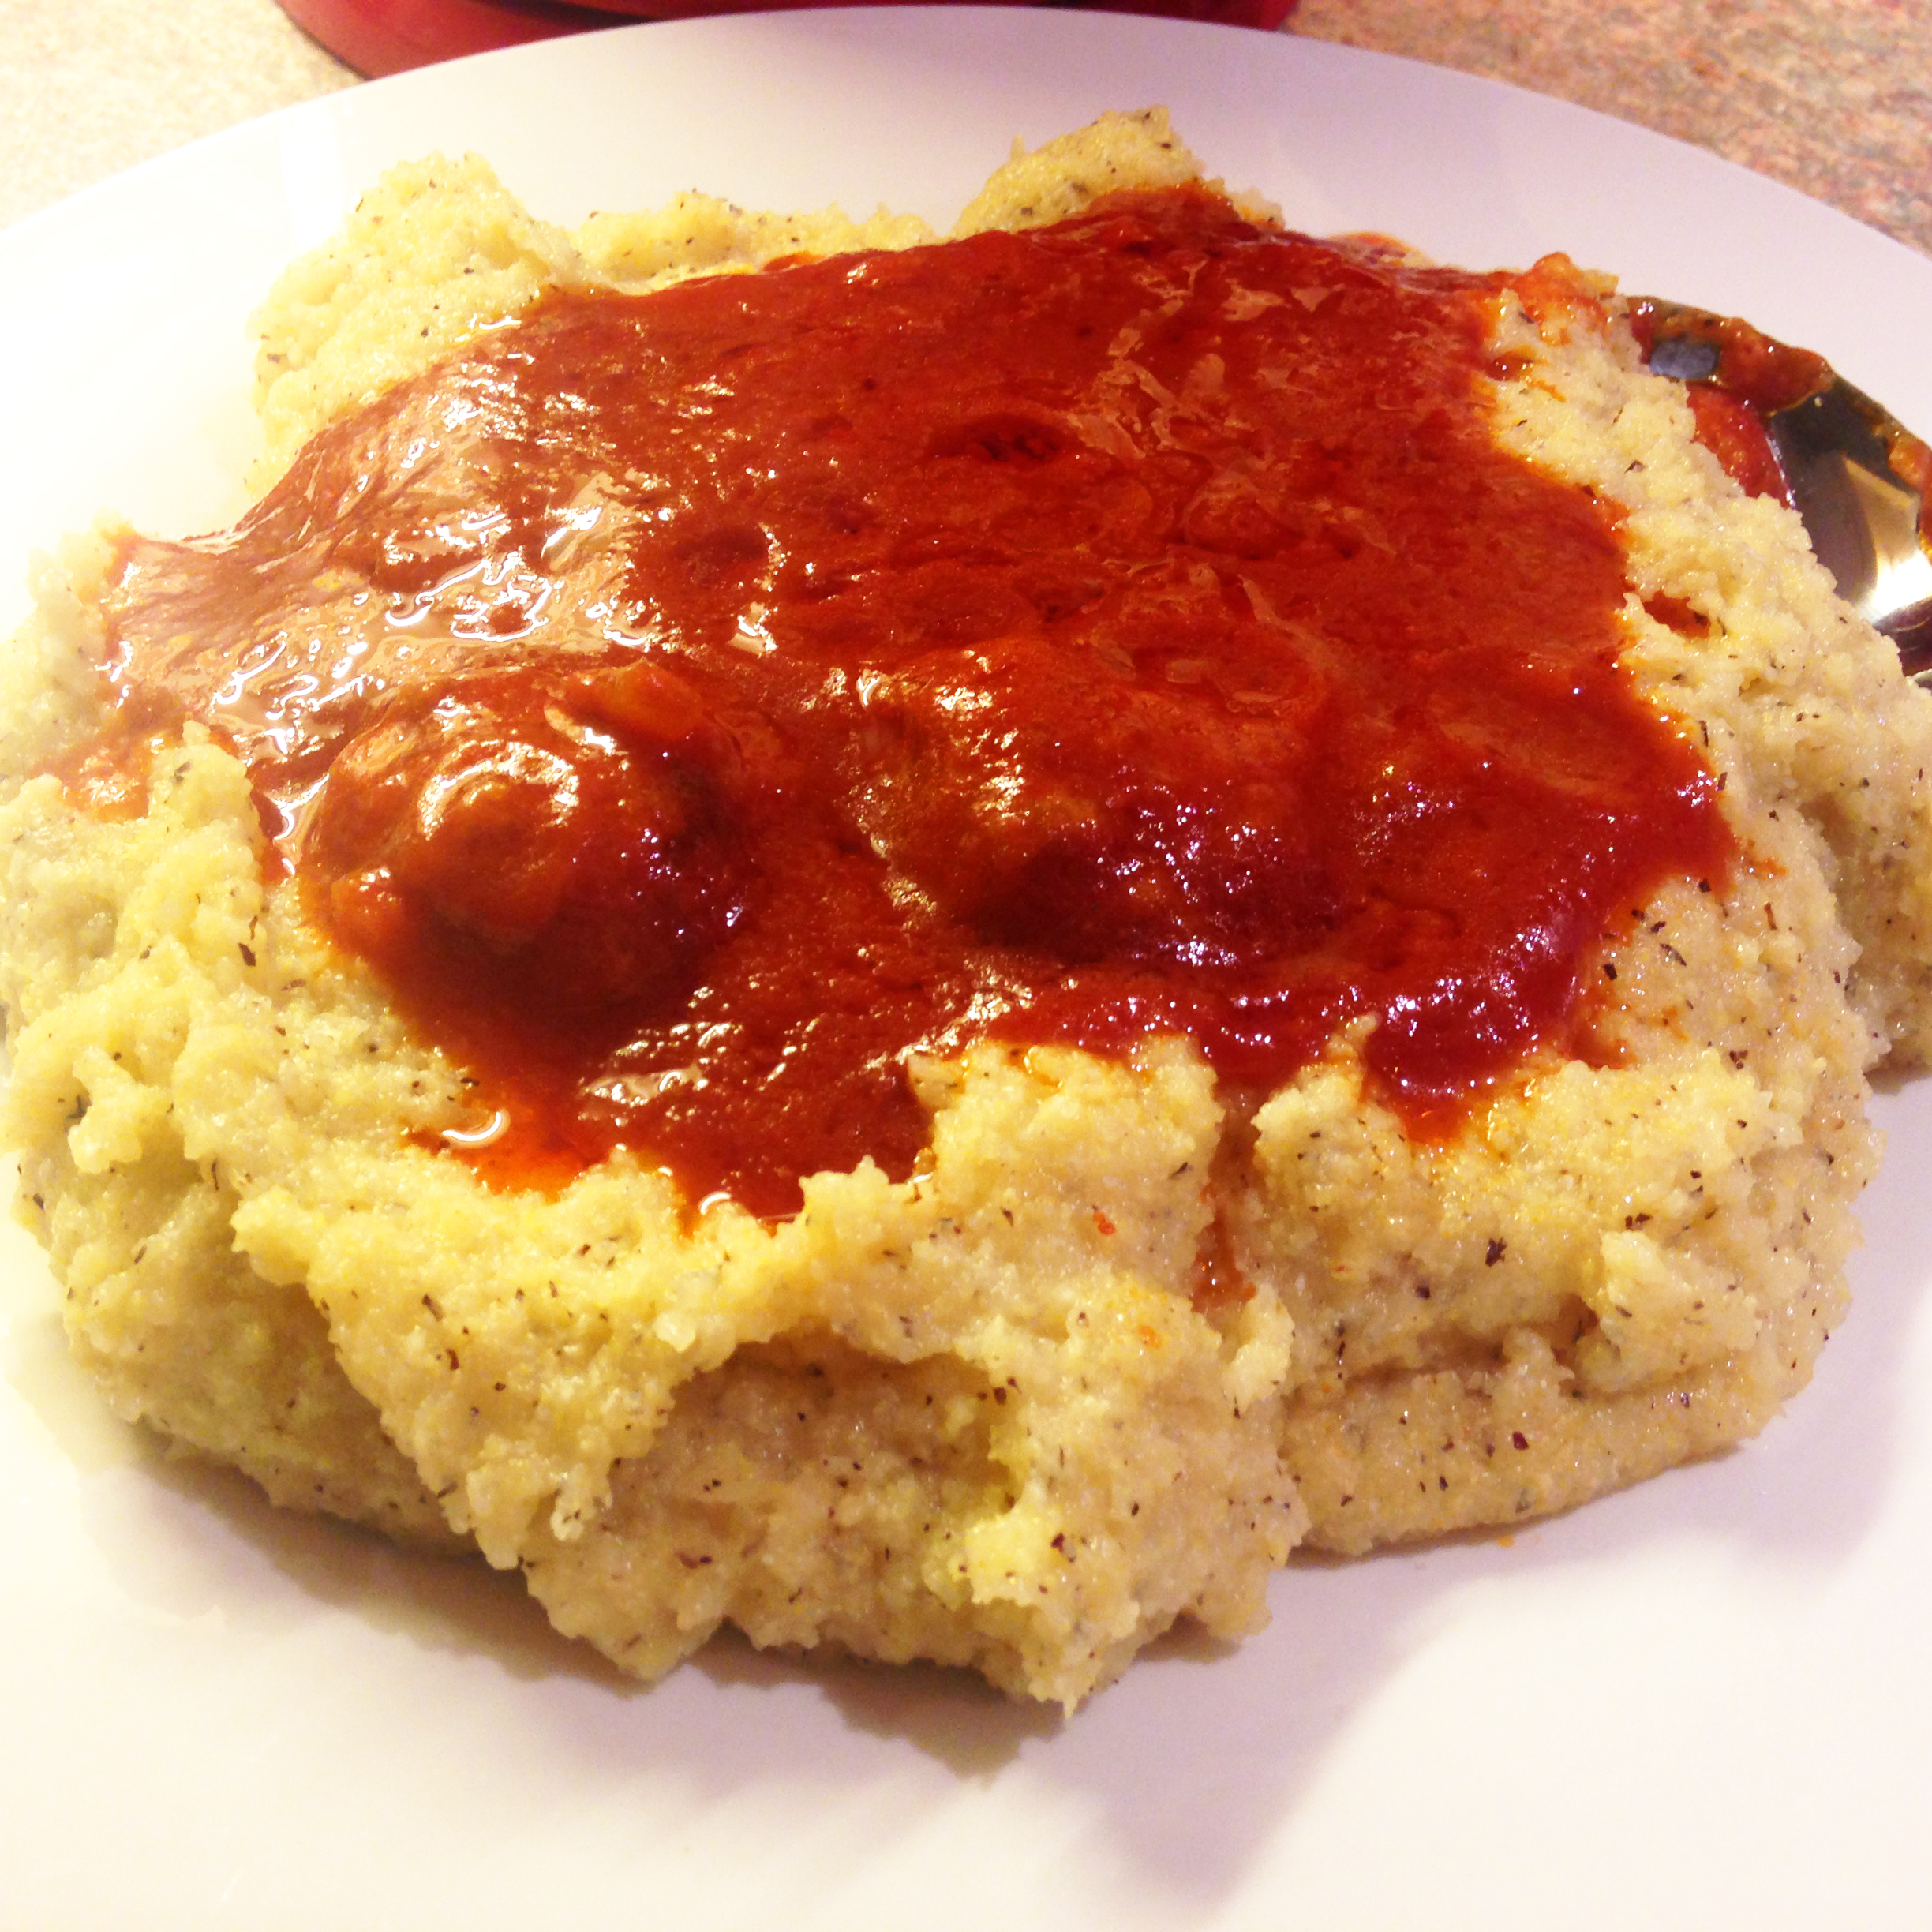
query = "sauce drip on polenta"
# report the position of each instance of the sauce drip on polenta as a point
(694, 704)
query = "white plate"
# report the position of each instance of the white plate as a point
(1704, 1702)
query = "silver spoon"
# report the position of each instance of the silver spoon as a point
(1856, 475)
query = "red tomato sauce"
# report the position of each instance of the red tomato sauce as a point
(693, 704)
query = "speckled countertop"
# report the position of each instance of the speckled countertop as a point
(1832, 96)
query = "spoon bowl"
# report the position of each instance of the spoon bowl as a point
(1860, 479)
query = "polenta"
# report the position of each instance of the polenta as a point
(952, 1073)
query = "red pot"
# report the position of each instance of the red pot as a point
(385, 36)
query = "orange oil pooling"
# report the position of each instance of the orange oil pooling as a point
(694, 704)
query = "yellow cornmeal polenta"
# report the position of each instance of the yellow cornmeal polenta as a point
(975, 1416)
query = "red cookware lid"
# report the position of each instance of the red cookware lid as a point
(385, 36)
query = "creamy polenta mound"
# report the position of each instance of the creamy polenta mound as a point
(980, 1415)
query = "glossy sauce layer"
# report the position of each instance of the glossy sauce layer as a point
(695, 704)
